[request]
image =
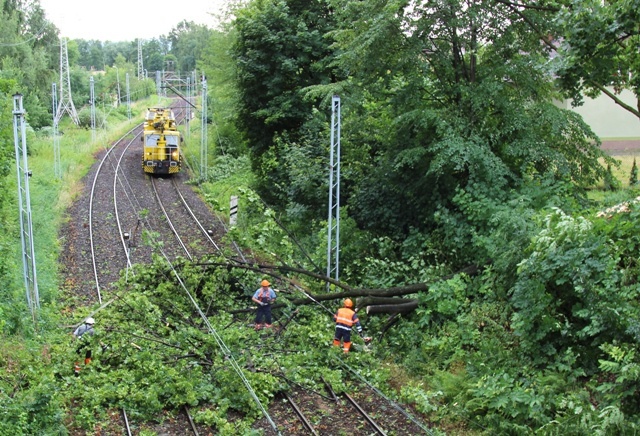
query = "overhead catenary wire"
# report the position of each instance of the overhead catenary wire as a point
(220, 342)
(393, 403)
(226, 351)
(33, 37)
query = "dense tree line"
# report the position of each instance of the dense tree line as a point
(454, 153)
(439, 101)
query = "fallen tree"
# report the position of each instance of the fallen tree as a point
(376, 301)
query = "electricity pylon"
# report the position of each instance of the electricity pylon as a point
(26, 225)
(203, 134)
(57, 167)
(66, 102)
(333, 236)
(140, 66)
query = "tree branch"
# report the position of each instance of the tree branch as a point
(362, 292)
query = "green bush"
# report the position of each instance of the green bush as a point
(611, 183)
(84, 117)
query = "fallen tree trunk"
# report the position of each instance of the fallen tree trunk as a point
(376, 301)
(408, 306)
(349, 292)
(373, 301)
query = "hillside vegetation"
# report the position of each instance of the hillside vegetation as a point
(463, 189)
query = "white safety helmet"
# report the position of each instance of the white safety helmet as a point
(90, 321)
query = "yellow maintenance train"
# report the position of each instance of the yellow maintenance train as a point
(161, 139)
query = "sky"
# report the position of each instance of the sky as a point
(126, 20)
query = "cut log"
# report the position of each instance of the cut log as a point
(407, 307)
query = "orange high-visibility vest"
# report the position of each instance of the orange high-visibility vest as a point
(346, 317)
(264, 295)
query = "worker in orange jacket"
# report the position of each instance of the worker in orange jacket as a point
(345, 319)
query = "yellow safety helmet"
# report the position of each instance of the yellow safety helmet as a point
(348, 303)
(265, 283)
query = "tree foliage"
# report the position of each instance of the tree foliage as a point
(436, 97)
(28, 54)
(7, 89)
(280, 49)
(598, 50)
(469, 102)
(188, 41)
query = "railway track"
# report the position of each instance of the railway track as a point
(131, 215)
(189, 231)
(312, 406)
(182, 424)
(299, 412)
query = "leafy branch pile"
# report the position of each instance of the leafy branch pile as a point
(156, 353)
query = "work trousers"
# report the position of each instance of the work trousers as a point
(263, 314)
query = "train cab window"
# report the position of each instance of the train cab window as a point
(152, 140)
(171, 140)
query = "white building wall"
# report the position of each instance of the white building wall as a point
(617, 128)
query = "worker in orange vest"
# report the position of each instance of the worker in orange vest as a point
(345, 319)
(264, 296)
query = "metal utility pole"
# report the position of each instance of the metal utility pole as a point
(194, 80)
(333, 238)
(128, 99)
(140, 66)
(187, 119)
(57, 167)
(66, 102)
(203, 142)
(118, 81)
(92, 100)
(158, 83)
(26, 226)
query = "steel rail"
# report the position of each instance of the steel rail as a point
(93, 187)
(197, 221)
(364, 414)
(224, 226)
(303, 418)
(115, 202)
(330, 389)
(126, 422)
(191, 423)
(171, 226)
(389, 400)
